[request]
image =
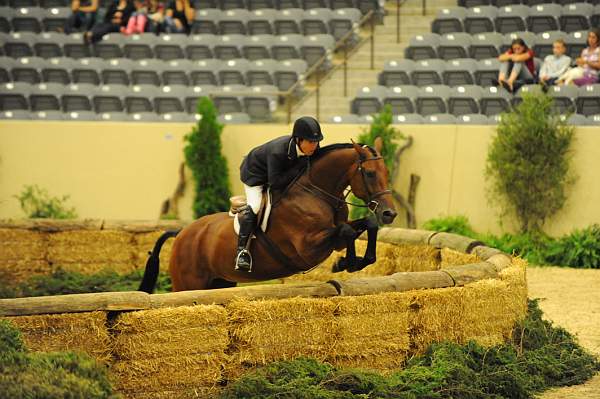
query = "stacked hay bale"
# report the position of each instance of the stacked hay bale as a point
(22, 254)
(85, 332)
(451, 257)
(144, 243)
(171, 352)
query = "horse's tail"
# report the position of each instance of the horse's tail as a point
(153, 263)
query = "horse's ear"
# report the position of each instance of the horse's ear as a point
(378, 144)
(359, 150)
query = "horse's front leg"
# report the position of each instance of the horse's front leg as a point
(351, 262)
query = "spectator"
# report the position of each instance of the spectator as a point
(588, 65)
(516, 64)
(117, 15)
(156, 16)
(555, 64)
(137, 21)
(83, 16)
(179, 16)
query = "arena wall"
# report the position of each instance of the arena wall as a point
(125, 170)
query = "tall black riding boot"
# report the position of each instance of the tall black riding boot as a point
(243, 260)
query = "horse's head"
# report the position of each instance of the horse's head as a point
(370, 182)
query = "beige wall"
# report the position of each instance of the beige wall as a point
(125, 170)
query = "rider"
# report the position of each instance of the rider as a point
(275, 164)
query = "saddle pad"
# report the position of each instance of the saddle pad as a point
(265, 218)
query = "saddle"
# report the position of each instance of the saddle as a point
(238, 202)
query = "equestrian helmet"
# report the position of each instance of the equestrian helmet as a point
(307, 128)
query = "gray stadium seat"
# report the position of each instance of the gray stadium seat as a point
(576, 42)
(227, 99)
(204, 72)
(315, 47)
(595, 17)
(575, 120)
(472, 119)
(428, 72)
(22, 3)
(494, 101)
(564, 97)
(206, 21)
(512, 18)
(228, 47)
(114, 117)
(433, 99)
(200, 47)
(485, 45)
(368, 100)
(594, 120)
(144, 116)
(401, 99)
(261, 103)
(168, 100)
(464, 100)
(258, 47)
(76, 98)
(14, 96)
(6, 64)
(260, 22)
(474, 3)
(233, 22)
(6, 14)
(261, 72)
(27, 19)
(396, 73)
(454, 45)
(45, 97)
(231, 4)
(365, 119)
(54, 18)
(338, 4)
(169, 47)
(27, 69)
(287, 21)
(487, 71)
(528, 37)
(344, 20)
(139, 99)
(460, 72)
(316, 21)
(146, 72)
(588, 100)
(193, 94)
(15, 115)
(423, 46)
(576, 17)
(528, 88)
(287, 47)
(108, 99)
(480, 19)
(233, 72)
(234, 118)
(87, 70)
(371, 5)
(283, 4)
(48, 116)
(308, 4)
(543, 42)
(117, 71)
(57, 70)
(74, 47)
(110, 46)
(440, 119)
(139, 47)
(544, 17)
(19, 44)
(288, 72)
(174, 73)
(449, 20)
(178, 117)
(49, 45)
(344, 119)
(408, 119)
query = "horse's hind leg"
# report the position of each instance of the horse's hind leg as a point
(221, 283)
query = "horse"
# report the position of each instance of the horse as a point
(308, 221)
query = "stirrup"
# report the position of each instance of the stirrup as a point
(237, 261)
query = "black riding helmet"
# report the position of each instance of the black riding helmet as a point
(307, 128)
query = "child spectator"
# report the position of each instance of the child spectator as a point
(156, 16)
(555, 64)
(137, 21)
(83, 16)
(516, 64)
(117, 15)
(179, 16)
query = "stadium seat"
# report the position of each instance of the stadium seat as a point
(227, 99)
(108, 99)
(87, 70)
(528, 88)
(6, 14)
(14, 96)
(474, 3)
(27, 70)
(423, 47)
(73, 47)
(49, 44)
(178, 117)
(494, 101)
(512, 18)
(428, 72)
(449, 20)
(15, 114)
(54, 3)
(19, 44)
(576, 42)
(588, 100)
(286, 47)
(57, 70)
(231, 4)
(408, 119)
(22, 3)
(365, 119)
(487, 71)
(288, 72)
(146, 72)
(110, 46)
(440, 119)
(396, 73)
(27, 19)
(283, 4)
(168, 99)
(594, 120)
(228, 47)
(169, 47)
(114, 117)
(459, 72)
(543, 42)
(564, 97)
(308, 4)
(139, 47)
(233, 72)
(454, 45)
(200, 47)
(370, 5)
(206, 21)
(544, 17)
(368, 100)
(485, 45)
(595, 17)
(204, 72)
(575, 120)
(192, 95)
(261, 72)
(401, 99)
(233, 22)
(76, 98)
(287, 22)
(234, 118)
(315, 47)
(139, 99)
(344, 20)
(433, 99)
(261, 103)
(528, 37)
(464, 100)
(174, 73)
(316, 21)
(260, 22)
(54, 18)
(472, 119)
(144, 116)
(6, 64)
(117, 71)
(338, 4)
(258, 47)
(349, 119)
(576, 17)
(480, 19)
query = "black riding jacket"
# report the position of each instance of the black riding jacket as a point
(275, 163)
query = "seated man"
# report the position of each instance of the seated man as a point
(275, 163)
(555, 64)
(83, 17)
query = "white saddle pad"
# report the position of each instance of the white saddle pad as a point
(265, 220)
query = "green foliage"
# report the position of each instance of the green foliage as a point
(528, 162)
(538, 357)
(380, 127)
(208, 165)
(451, 224)
(54, 375)
(37, 203)
(62, 282)
(581, 247)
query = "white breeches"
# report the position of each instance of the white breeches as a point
(254, 197)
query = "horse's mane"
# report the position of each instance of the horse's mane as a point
(339, 146)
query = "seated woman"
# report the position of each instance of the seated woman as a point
(588, 65)
(179, 16)
(117, 16)
(83, 16)
(516, 64)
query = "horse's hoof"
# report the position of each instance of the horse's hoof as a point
(357, 266)
(340, 265)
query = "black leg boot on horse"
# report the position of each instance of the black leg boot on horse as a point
(248, 220)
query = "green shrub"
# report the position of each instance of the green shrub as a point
(37, 203)
(538, 357)
(528, 162)
(54, 375)
(451, 224)
(580, 248)
(204, 158)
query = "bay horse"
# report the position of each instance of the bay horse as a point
(309, 219)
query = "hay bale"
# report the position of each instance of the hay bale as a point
(450, 257)
(19, 244)
(144, 243)
(13, 272)
(171, 349)
(85, 332)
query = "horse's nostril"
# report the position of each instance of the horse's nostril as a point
(389, 213)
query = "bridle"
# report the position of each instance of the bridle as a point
(372, 203)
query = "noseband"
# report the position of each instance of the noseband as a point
(372, 204)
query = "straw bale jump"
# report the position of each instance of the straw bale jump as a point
(426, 287)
